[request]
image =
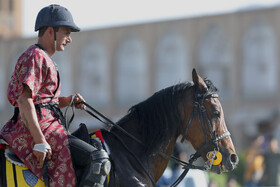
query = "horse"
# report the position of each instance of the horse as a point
(141, 143)
(191, 111)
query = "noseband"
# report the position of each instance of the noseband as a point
(210, 140)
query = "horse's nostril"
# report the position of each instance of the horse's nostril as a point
(234, 158)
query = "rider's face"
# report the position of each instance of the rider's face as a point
(63, 38)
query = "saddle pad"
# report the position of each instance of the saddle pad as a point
(21, 176)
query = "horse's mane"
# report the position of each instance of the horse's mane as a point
(159, 115)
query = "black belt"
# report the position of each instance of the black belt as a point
(50, 106)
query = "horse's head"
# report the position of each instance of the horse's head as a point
(205, 127)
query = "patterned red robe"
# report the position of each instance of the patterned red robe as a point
(36, 69)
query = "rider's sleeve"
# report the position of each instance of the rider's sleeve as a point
(31, 73)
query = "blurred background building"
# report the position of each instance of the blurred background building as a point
(117, 67)
(10, 18)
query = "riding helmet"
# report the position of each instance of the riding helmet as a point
(55, 16)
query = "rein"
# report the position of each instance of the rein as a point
(110, 123)
(198, 108)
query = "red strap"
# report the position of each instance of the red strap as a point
(98, 134)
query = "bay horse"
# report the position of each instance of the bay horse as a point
(190, 111)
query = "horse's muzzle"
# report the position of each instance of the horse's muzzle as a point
(230, 162)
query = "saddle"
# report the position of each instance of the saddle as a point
(13, 158)
(82, 133)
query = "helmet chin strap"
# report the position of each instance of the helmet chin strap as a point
(55, 29)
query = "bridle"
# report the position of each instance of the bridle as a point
(211, 140)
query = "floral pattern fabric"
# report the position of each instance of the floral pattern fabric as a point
(36, 70)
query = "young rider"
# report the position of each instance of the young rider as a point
(36, 132)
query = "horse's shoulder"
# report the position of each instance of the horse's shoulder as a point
(131, 181)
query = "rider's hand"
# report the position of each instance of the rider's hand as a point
(77, 102)
(41, 155)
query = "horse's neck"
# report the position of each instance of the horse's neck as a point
(127, 170)
(155, 163)
(159, 163)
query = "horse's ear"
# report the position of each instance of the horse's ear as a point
(198, 82)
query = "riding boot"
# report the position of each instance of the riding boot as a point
(96, 172)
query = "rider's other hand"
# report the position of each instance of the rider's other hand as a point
(42, 154)
(77, 101)
(40, 157)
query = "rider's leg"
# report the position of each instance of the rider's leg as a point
(95, 162)
(80, 151)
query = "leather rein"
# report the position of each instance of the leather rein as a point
(210, 140)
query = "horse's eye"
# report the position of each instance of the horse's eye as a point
(216, 113)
